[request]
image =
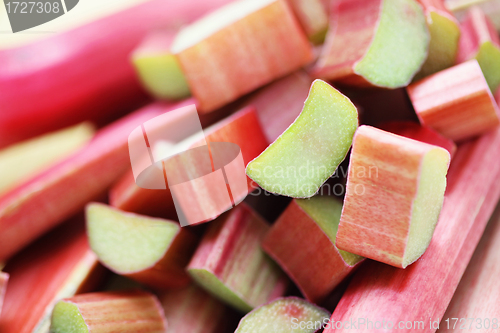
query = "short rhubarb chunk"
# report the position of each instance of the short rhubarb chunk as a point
(480, 41)
(107, 312)
(149, 250)
(313, 17)
(374, 43)
(456, 102)
(180, 305)
(158, 69)
(4, 278)
(230, 264)
(395, 192)
(445, 34)
(310, 150)
(302, 242)
(284, 315)
(239, 48)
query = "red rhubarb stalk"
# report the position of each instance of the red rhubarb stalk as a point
(4, 278)
(381, 292)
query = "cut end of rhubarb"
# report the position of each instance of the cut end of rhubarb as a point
(399, 47)
(283, 316)
(67, 318)
(488, 58)
(310, 150)
(126, 242)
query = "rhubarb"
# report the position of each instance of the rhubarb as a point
(313, 17)
(302, 242)
(4, 278)
(107, 312)
(456, 102)
(404, 181)
(374, 43)
(179, 306)
(152, 251)
(311, 149)
(420, 133)
(480, 41)
(445, 34)
(58, 265)
(230, 264)
(90, 76)
(158, 69)
(459, 8)
(24, 160)
(477, 294)
(284, 315)
(126, 195)
(381, 292)
(239, 48)
(61, 191)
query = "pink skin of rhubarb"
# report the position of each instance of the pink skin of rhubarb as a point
(456, 102)
(4, 278)
(306, 253)
(121, 311)
(420, 133)
(58, 265)
(127, 196)
(179, 306)
(240, 50)
(91, 71)
(424, 289)
(477, 294)
(230, 251)
(61, 191)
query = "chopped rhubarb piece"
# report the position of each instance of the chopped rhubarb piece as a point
(313, 17)
(418, 132)
(108, 312)
(152, 251)
(374, 43)
(58, 265)
(158, 69)
(403, 180)
(302, 242)
(284, 315)
(126, 195)
(90, 77)
(61, 191)
(238, 48)
(311, 149)
(4, 278)
(179, 306)
(445, 34)
(230, 264)
(477, 293)
(456, 102)
(480, 41)
(25, 159)
(424, 290)
(460, 8)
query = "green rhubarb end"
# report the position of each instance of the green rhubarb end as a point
(66, 318)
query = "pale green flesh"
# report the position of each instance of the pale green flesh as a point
(284, 316)
(445, 34)
(488, 58)
(310, 150)
(428, 203)
(326, 212)
(66, 318)
(399, 47)
(213, 285)
(127, 243)
(161, 75)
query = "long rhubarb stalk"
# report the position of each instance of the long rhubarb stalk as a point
(58, 265)
(477, 294)
(4, 278)
(424, 290)
(89, 77)
(49, 198)
(108, 312)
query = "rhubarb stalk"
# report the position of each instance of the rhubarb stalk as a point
(4, 278)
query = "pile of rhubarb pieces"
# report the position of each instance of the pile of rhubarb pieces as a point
(370, 136)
